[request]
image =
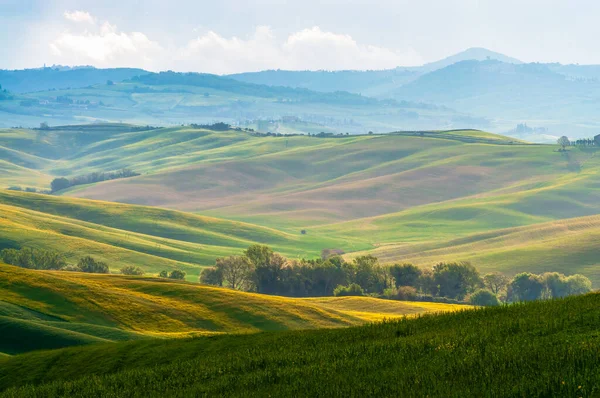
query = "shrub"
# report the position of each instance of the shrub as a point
(58, 184)
(525, 287)
(211, 276)
(177, 274)
(91, 265)
(132, 270)
(351, 290)
(484, 297)
(33, 258)
(408, 293)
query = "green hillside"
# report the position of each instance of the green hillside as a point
(150, 237)
(406, 196)
(535, 349)
(44, 309)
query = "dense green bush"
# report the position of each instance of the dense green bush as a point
(91, 265)
(484, 297)
(33, 258)
(175, 274)
(351, 290)
(132, 270)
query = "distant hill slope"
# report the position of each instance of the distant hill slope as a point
(169, 98)
(509, 91)
(470, 54)
(504, 350)
(43, 79)
(43, 309)
(377, 83)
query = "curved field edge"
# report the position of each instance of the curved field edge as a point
(113, 307)
(467, 353)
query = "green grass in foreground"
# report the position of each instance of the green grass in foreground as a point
(537, 349)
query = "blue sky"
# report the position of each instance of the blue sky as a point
(230, 36)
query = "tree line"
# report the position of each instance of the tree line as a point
(262, 270)
(50, 260)
(41, 259)
(58, 184)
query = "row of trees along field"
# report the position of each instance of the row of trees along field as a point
(263, 271)
(58, 184)
(54, 261)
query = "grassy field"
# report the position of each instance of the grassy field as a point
(407, 196)
(150, 237)
(535, 349)
(44, 309)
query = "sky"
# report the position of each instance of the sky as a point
(231, 36)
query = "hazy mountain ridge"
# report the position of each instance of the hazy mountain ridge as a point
(476, 88)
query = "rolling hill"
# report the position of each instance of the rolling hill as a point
(169, 98)
(373, 83)
(45, 310)
(463, 354)
(409, 196)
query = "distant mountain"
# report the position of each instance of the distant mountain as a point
(544, 95)
(375, 83)
(471, 54)
(60, 77)
(370, 83)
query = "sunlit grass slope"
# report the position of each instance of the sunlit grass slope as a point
(567, 246)
(290, 182)
(62, 308)
(149, 237)
(536, 349)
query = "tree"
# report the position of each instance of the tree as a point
(555, 285)
(563, 142)
(367, 275)
(426, 282)
(456, 280)
(578, 284)
(44, 126)
(268, 274)
(177, 274)
(110, 83)
(236, 271)
(495, 282)
(89, 264)
(211, 276)
(484, 297)
(132, 270)
(324, 276)
(351, 290)
(58, 184)
(259, 254)
(164, 274)
(525, 287)
(405, 274)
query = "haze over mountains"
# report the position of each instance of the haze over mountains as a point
(476, 88)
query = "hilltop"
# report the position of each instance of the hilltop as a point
(59, 309)
(464, 354)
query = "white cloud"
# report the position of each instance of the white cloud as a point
(307, 49)
(313, 48)
(316, 49)
(79, 16)
(106, 46)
